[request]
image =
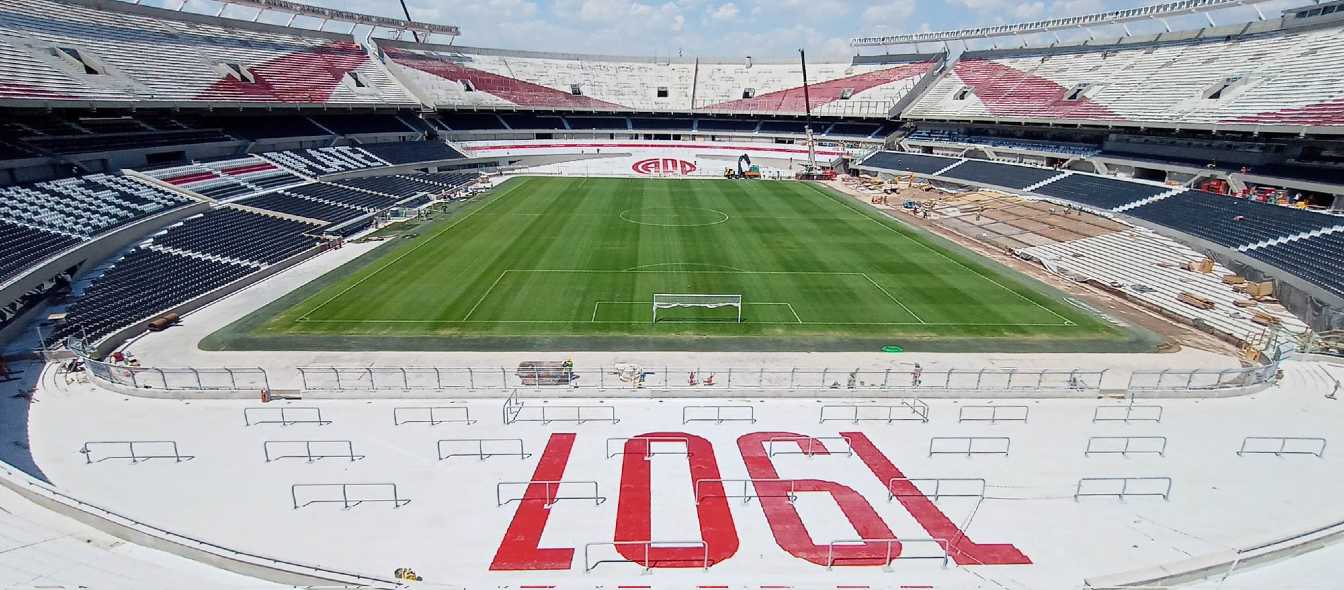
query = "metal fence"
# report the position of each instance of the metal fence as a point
(180, 379)
(697, 379)
(1200, 379)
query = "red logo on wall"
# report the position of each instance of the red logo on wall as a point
(663, 166)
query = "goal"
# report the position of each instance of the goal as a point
(708, 301)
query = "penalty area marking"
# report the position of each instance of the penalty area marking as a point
(598, 304)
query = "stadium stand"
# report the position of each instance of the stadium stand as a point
(329, 160)
(23, 246)
(1263, 78)
(411, 152)
(240, 235)
(907, 162)
(1230, 221)
(143, 283)
(112, 52)
(526, 121)
(1100, 192)
(352, 193)
(481, 78)
(1149, 268)
(1006, 175)
(84, 206)
(283, 202)
(944, 136)
(1317, 259)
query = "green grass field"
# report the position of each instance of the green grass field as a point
(579, 260)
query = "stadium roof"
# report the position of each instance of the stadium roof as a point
(330, 14)
(1115, 17)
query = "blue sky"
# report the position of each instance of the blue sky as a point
(721, 28)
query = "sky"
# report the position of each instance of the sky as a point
(724, 28)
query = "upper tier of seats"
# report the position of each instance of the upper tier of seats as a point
(1282, 77)
(783, 125)
(466, 77)
(67, 50)
(85, 206)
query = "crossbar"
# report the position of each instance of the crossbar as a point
(970, 445)
(1120, 487)
(551, 491)
(1127, 413)
(589, 564)
(719, 414)
(807, 445)
(1126, 445)
(993, 414)
(891, 544)
(347, 450)
(135, 450)
(345, 489)
(918, 410)
(1280, 445)
(791, 491)
(501, 447)
(431, 415)
(648, 445)
(976, 485)
(284, 416)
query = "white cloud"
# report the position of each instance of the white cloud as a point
(725, 12)
(888, 16)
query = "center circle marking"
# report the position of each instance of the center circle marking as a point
(674, 217)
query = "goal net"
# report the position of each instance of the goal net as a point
(707, 301)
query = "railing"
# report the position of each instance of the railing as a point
(970, 445)
(648, 445)
(348, 451)
(749, 489)
(808, 445)
(993, 414)
(1126, 445)
(890, 544)
(180, 379)
(972, 487)
(906, 410)
(551, 491)
(1200, 379)
(365, 379)
(167, 449)
(432, 415)
(514, 409)
(284, 416)
(1123, 487)
(718, 414)
(346, 500)
(1127, 413)
(1282, 445)
(589, 564)
(481, 452)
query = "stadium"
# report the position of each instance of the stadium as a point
(297, 296)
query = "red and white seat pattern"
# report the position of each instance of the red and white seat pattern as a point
(131, 53)
(464, 77)
(1283, 78)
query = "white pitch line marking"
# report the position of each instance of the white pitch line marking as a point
(431, 239)
(893, 298)
(484, 295)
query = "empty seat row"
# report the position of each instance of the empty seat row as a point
(240, 235)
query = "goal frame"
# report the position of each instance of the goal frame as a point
(705, 300)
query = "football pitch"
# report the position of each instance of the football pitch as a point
(576, 262)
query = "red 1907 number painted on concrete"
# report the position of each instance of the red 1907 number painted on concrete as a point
(520, 550)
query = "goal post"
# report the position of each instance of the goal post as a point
(704, 300)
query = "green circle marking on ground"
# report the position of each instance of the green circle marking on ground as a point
(674, 217)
